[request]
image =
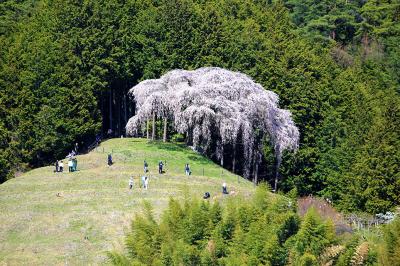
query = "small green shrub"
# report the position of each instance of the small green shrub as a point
(177, 137)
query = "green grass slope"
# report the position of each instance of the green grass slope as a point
(74, 218)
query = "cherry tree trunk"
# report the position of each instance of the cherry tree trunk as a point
(147, 128)
(276, 177)
(222, 155)
(165, 130)
(256, 174)
(234, 159)
(153, 133)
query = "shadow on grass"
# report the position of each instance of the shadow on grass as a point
(199, 159)
(168, 146)
(180, 147)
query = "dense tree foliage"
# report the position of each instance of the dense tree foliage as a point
(66, 68)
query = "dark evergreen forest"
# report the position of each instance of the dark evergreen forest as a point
(66, 67)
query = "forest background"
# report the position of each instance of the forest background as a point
(66, 68)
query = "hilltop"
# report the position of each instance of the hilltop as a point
(70, 218)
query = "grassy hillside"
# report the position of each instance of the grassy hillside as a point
(74, 218)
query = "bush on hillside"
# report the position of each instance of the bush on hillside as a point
(265, 230)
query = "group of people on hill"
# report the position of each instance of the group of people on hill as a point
(72, 165)
(72, 161)
(143, 181)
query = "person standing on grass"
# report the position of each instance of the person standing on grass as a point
(187, 169)
(109, 159)
(143, 183)
(146, 182)
(145, 166)
(224, 189)
(131, 182)
(57, 166)
(160, 167)
(61, 166)
(70, 166)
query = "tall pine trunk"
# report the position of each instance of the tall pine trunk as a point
(110, 111)
(165, 130)
(119, 106)
(125, 109)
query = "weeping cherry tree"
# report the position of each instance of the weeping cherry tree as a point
(215, 107)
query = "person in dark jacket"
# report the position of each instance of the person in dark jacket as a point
(109, 160)
(160, 167)
(187, 169)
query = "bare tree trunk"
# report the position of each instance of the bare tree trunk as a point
(234, 158)
(119, 106)
(110, 111)
(102, 113)
(147, 128)
(256, 174)
(278, 163)
(276, 181)
(222, 155)
(257, 158)
(165, 129)
(153, 133)
(125, 109)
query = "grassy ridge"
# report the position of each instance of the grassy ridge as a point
(73, 218)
